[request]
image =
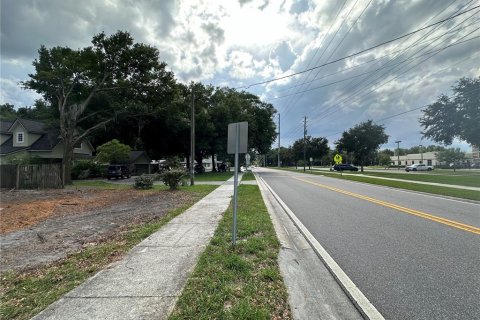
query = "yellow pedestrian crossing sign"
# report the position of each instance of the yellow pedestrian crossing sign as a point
(337, 158)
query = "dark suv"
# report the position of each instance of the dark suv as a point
(118, 171)
(344, 167)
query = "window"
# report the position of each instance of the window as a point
(20, 137)
(78, 145)
(413, 161)
(429, 162)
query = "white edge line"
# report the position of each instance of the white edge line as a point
(361, 302)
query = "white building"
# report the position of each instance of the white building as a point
(429, 158)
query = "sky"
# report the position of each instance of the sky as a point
(357, 73)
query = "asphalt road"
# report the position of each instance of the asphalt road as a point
(414, 256)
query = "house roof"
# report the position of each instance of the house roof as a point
(5, 125)
(46, 142)
(7, 147)
(134, 155)
(30, 125)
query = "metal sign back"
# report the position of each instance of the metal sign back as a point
(243, 133)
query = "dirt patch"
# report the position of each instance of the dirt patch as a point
(38, 227)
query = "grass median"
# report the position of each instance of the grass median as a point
(26, 293)
(241, 282)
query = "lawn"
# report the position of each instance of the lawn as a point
(241, 282)
(213, 176)
(469, 179)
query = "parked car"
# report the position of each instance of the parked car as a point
(199, 168)
(418, 167)
(118, 171)
(343, 167)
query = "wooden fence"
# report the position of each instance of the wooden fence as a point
(31, 176)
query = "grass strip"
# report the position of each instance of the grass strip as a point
(26, 293)
(444, 191)
(242, 282)
(248, 176)
(472, 180)
(213, 176)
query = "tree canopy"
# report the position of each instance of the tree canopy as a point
(90, 86)
(119, 89)
(451, 156)
(456, 116)
(113, 152)
(362, 141)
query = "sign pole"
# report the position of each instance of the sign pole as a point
(235, 185)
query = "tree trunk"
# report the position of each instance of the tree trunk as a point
(67, 163)
(214, 165)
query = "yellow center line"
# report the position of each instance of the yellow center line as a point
(417, 213)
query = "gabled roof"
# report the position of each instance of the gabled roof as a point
(29, 125)
(134, 155)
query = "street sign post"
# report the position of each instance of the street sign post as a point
(237, 143)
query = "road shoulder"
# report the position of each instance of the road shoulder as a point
(313, 291)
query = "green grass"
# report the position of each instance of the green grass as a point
(242, 282)
(25, 293)
(213, 176)
(248, 176)
(461, 179)
(444, 191)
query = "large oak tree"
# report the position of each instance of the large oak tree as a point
(114, 71)
(457, 116)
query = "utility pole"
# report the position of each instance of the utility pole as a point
(278, 160)
(421, 153)
(398, 153)
(304, 142)
(192, 140)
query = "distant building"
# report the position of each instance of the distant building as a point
(429, 158)
(475, 154)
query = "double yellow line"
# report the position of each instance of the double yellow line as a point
(417, 213)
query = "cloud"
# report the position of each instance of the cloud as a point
(242, 42)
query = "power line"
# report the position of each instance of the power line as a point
(356, 89)
(372, 71)
(399, 114)
(325, 47)
(359, 52)
(366, 62)
(341, 41)
(385, 83)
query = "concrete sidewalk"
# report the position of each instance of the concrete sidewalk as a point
(147, 282)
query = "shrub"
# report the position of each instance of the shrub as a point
(173, 178)
(87, 169)
(145, 181)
